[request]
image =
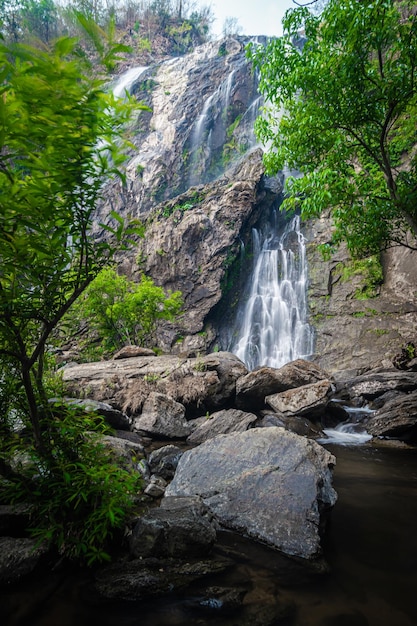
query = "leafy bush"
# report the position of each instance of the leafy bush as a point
(122, 312)
(78, 494)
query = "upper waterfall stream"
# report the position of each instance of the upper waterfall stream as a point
(272, 322)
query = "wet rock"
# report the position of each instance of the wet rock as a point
(222, 422)
(180, 528)
(163, 462)
(308, 400)
(162, 417)
(141, 578)
(218, 601)
(374, 384)
(18, 558)
(268, 483)
(396, 419)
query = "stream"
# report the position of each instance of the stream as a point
(370, 548)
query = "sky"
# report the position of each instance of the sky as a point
(256, 17)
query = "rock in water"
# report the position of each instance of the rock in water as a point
(268, 483)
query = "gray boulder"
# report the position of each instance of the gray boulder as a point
(229, 369)
(374, 384)
(163, 461)
(252, 388)
(115, 418)
(18, 557)
(298, 425)
(308, 400)
(181, 528)
(268, 483)
(396, 419)
(200, 384)
(128, 352)
(162, 417)
(127, 453)
(220, 423)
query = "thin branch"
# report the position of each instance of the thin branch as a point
(306, 4)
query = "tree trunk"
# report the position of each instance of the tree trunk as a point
(32, 405)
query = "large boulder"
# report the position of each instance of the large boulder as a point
(200, 384)
(268, 483)
(221, 423)
(308, 400)
(252, 389)
(396, 419)
(115, 418)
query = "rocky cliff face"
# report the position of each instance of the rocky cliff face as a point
(361, 319)
(196, 179)
(203, 106)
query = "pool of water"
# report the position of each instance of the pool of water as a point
(370, 550)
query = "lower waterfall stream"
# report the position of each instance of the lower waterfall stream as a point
(272, 326)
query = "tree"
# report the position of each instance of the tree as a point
(61, 135)
(231, 27)
(123, 312)
(40, 18)
(58, 129)
(11, 18)
(341, 97)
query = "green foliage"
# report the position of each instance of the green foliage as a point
(79, 496)
(370, 269)
(122, 312)
(153, 24)
(342, 111)
(57, 129)
(191, 202)
(61, 137)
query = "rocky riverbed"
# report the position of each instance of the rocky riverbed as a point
(220, 449)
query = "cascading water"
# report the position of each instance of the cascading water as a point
(221, 128)
(125, 81)
(274, 328)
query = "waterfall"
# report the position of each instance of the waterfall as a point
(273, 328)
(125, 81)
(209, 131)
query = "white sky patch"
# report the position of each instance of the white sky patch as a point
(256, 17)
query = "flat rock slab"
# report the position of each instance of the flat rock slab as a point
(306, 400)
(268, 483)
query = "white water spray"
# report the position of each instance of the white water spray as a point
(125, 81)
(274, 328)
